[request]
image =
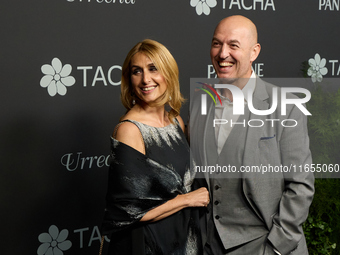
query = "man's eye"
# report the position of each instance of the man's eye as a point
(215, 43)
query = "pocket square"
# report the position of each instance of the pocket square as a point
(267, 137)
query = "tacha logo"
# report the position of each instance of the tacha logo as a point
(54, 242)
(203, 6)
(317, 68)
(56, 77)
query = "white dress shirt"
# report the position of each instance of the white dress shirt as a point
(225, 112)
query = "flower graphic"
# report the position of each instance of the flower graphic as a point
(317, 68)
(56, 77)
(53, 242)
(203, 6)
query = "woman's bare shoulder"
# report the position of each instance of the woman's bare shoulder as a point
(128, 133)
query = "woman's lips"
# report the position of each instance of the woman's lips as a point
(149, 88)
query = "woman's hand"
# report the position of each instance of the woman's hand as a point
(197, 198)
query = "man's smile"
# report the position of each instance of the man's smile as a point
(225, 64)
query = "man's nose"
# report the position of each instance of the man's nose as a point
(224, 52)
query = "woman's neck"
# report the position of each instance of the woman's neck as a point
(153, 116)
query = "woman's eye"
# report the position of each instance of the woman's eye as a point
(136, 71)
(153, 68)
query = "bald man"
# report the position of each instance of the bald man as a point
(254, 214)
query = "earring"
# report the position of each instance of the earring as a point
(133, 101)
(170, 98)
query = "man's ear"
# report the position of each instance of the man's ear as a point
(255, 52)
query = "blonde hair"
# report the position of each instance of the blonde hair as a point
(166, 65)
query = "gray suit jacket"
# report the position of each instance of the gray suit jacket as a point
(281, 203)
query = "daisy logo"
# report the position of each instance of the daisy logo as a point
(54, 242)
(56, 77)
(317, 68)
(203, 6)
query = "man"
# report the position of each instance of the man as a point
(257, 213)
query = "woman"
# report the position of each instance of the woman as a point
(150, 205)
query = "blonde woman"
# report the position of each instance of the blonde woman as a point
(151, 206)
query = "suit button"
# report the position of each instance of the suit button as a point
(217, 217)
(216, 202)
(217, 187)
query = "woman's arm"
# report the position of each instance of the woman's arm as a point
(129, 134)
(197, 198)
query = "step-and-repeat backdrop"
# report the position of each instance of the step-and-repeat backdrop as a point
(60, 84)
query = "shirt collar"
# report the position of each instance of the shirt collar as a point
(250, 86)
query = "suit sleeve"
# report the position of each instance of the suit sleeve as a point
(297, 197)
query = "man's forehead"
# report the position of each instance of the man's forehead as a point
(236, 28)
(237, 34)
